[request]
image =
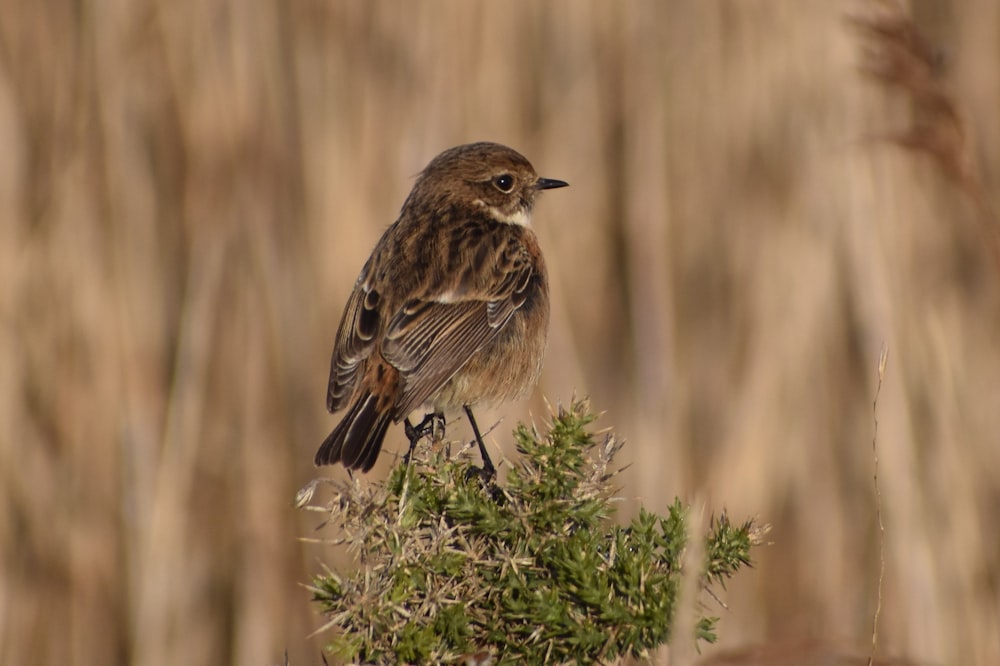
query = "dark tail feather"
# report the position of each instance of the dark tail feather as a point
(357, 439)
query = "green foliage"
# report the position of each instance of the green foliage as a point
(533, 570)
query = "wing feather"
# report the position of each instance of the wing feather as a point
(466, 332)
(430, 340)
(355, 341)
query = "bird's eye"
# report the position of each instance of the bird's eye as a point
(504, 183)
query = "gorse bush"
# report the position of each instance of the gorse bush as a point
(532, 570)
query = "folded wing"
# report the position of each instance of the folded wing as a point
(430, 338)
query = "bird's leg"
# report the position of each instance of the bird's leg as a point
(426, 428)
(412, 434)
(489, 471)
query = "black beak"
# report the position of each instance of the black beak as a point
(549, 184)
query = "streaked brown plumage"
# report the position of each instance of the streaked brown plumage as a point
(452, 307)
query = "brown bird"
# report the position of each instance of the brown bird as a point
(450, 310)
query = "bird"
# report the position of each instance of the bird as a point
(451, 309)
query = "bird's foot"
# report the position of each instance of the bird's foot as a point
(432, 427)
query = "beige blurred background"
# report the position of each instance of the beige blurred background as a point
(188, 190)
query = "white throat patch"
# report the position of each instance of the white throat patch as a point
(521, 218)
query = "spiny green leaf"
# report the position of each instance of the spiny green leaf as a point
(532, 569)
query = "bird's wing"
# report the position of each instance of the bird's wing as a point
(355, 340)
(431, 337)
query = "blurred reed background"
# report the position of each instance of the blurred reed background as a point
(188, 190)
